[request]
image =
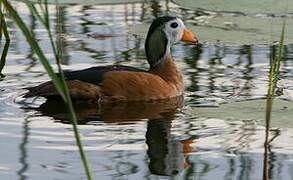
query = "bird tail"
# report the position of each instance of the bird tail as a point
(78, 91)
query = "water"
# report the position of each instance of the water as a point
(164, 140)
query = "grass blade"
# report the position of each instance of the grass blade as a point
(34, 11)
(274, 76)
(1, 25)
(4, 29)
(274, 72)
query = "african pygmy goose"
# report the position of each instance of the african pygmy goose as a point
(111, 83)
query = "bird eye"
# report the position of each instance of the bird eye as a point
(174, 25)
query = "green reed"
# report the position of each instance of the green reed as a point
(274, 72)
(3, 30)
(59, 83)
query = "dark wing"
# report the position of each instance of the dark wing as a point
(82, 84)
(94, 75)
(78, 90)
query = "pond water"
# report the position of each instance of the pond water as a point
(206, 135)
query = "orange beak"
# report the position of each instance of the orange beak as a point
(188, 36)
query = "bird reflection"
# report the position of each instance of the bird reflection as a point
(88, 112)
(167, 156)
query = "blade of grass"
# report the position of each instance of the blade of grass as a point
(46, 23)
(60, 85)
(34, 11)
(279, 55)
(1, 25)
(58, 56)
(274, 72)
(3, 58)
(274, 76)
(7, 42)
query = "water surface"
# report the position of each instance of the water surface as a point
(163, 140)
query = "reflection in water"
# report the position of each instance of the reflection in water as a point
(30, 54)
(23, 151)
(268, 156)
(166, 155)
(112, 112)
(60, 32)
(158, 131)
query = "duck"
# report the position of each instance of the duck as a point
(111, 83)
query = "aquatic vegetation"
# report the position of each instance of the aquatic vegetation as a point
(273, 80)
(3, 30)
(274, 77)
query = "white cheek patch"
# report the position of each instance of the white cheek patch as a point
(174, 35)
(181, 23)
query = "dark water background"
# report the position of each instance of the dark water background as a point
(139, 141)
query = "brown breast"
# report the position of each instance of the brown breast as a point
(162, 82)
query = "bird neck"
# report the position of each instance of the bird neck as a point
(168, 70)
(164, 59)
(157, 47)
